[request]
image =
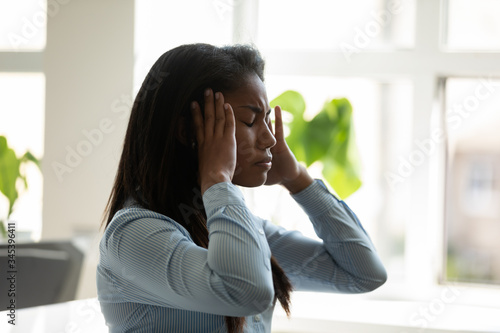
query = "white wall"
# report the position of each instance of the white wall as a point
(89, 62)
(89, 71)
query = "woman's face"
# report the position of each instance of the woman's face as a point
(254, 138)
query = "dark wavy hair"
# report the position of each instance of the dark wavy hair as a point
(158, 166)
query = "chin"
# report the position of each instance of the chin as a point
(247, 180)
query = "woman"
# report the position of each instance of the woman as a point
(181, 251)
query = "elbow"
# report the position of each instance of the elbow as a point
(253, 300)
(244, 294)
(374, 281)
(258, 300)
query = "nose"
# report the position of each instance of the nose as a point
(266, 139)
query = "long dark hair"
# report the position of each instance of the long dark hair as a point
(158, 167)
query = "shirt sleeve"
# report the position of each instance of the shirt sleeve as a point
(346, 261)
(154, 261)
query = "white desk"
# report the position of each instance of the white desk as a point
(342, 317)
(71, 317)
(345, 314)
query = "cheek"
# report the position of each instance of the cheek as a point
(245, 143)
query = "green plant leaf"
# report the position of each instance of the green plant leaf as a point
(328, 138)
(318, 137)
(297, 141)
(9, 172)
(343, 178)
(330, 108)
(342, 167)
(29, 157)
(292, 102)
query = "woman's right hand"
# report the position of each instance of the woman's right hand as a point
(216, 140)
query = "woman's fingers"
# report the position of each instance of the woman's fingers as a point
(209, 113)
(229, 125)
(220, 116)
(278, 124)
(215, 114)
(217, 141)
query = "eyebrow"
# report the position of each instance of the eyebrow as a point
(255, 109)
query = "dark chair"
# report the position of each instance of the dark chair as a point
(45, 273)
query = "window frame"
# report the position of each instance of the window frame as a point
(432, 62)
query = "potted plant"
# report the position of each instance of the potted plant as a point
(327, 138)
(11, 177)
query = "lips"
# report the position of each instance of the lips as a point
(265, 162)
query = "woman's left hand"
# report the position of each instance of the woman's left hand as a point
(285, 170)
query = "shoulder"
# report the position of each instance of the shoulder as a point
(138, 220)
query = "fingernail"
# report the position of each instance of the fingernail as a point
(217, 95)
(193, 105)
(226, 106)
(207, 92)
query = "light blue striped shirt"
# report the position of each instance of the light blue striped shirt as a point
(152, 277)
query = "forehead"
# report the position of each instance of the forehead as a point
(252, 92)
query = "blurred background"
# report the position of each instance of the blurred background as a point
(423, 78)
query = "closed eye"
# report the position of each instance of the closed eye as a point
(268, 113)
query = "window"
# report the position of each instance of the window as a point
(331, 49)
(22, 100)
(472, 25)
(24, 135)
(23, 25)
(395, 73)
(473, 183)
(160, 26)
(336, 25)
(381, 111)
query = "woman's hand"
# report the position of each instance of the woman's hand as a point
(285, 170)
(216, 140)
